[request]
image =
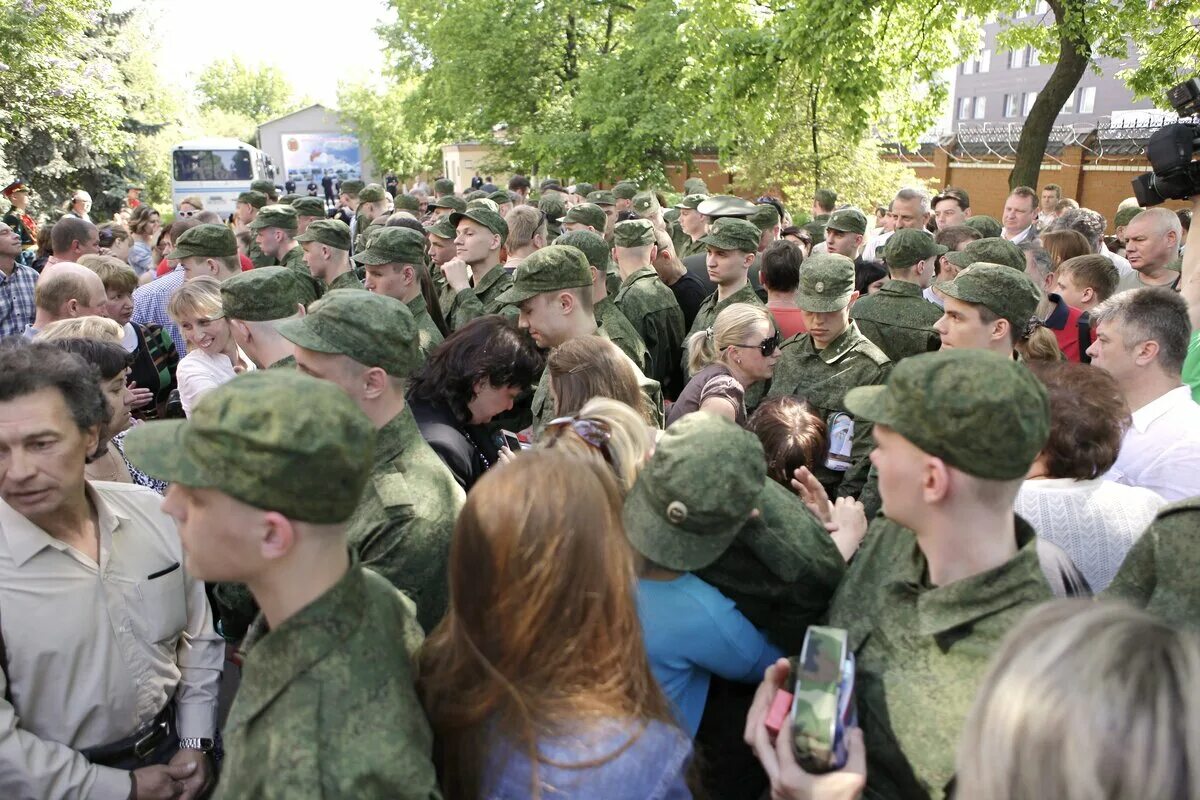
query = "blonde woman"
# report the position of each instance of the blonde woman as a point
(190, 206)
(608, 431)
(738, 351)
(213, 356)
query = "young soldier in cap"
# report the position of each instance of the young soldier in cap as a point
(552, 290)
(987, 307)
(17, 218)
(443, 187)
(991, 250)
(263, 478)
(766, 218)
(608, 317)
(823, 204)
(649, 305)
(552, 205)
(253, 301)
(394, 262)
(348, 201)
(503, 201)
(844, 231)
(479, 236)
(623, 194)
(712, 209)
(646, 206)
(607, 201)
(267, 188)
(441, 249)
(326, 245)
(732, 244)
(370, 205)
(825, 363)
(367, 345)
(308, 211)
(897, 318)
(690, 229)
(245, 212)
(988, 227)
(585, 217)
(274, 230)
(446, 205)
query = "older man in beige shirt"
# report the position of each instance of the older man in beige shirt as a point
(111, 661)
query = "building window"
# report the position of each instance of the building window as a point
(969, 66)
(1030, 97)
(1011, 104)
(1069, 106)
(1042, 7)
(1032, 57)
(980, 107)
(964, 108)
(1016, 58)
(1087, 100)
(985, 60)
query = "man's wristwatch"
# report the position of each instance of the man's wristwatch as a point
(203, 745)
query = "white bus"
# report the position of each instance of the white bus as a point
(216, 170)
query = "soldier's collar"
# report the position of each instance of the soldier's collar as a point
(841, 345)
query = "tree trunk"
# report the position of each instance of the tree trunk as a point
(814, 105)
(1073, 61)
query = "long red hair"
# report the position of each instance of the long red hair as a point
(542, 630)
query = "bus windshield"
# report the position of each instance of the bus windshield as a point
(213, 165)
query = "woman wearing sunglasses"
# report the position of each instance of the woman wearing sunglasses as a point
(739, 350)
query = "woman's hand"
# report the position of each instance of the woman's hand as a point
(805, 484)
(849, 525)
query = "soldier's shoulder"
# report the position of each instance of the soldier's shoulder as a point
(866, 351)
(1182, 511)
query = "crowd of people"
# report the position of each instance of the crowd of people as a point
(541, 494)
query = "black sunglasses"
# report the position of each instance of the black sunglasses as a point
(592, 431)
(766, 346)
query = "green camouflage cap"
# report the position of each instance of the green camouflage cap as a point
(725, 205)
(695, 186)
(252, 198)
(352, 187)
(907, 246)
(451, 202)
(847, 220)
(485, 217)
(475, 195)
(276, 439)
(500, 197)
(289, 199)
(625, 190)
(587, 214)
(691, 201)
(732, 233)
(371, 193)
(484, 202)
(635, 233)
(696, 492)
(275, 216)
(550, 269)
(645, 203)
(988, 227)
(826, 198)
(209, 240)
(553, 207)
(826, 283)
(602, 197)
(394, 245)
(1125, 215)
(407, 202)
(591, 244)
(1006, 292)
(443, 186)
(765, 216)
(373, 329)
(671, 215)
(583, 189)
(978, 411)
(266, 187)
(992, 251)
(266, 294)
(309, 206)
(331, 232)
(443, 229)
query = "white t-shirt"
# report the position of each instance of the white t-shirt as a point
(1161, 449)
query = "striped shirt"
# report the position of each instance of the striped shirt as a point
(150, 305)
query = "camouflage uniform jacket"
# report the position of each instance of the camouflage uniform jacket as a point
(294, 259)
(1159, 572)
(922, 650)
(781, 570)
(445, 294)
(347, 280)
(685, 245)
(428, 335)
(283, 363)
(706, 315)
(480, 299)
(898, 319)
(822, 377)
(403, 523)
(543, 407)
(621, 332)
(655, 314)
(327, 706)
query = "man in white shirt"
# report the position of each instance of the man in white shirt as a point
(909, 209)
(1142, 340)
(1020, 213)
(1051, 194)
(112, 664)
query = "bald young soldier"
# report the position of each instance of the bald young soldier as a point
(648, 304)
(732, 244)
(394, 262)
(616, 326)
(366, 344)
(897, 318)
(326, 244)
(263, 477)
(479, 236)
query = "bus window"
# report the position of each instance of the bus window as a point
(213, 165)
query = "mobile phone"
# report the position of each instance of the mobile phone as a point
(822, 706)
(511, 440)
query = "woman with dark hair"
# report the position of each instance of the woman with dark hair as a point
(146, 227)
(536, 682)
(868, 277)
(792, 436)
(475, 374)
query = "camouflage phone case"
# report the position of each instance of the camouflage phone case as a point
(822, 707)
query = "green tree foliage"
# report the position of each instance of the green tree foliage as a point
(260, 93)
(379, 117)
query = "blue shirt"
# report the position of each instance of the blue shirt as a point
(692, 632)
(150, 305)
(16, 300)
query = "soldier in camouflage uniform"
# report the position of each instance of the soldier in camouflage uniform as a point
(1159, 572)
(552, 290)
(691, 227)
(623, 194)
(308, 211)
(648, 304)
(479, 236)
(441, 249)
(608, 317)
(394, 262)
(326, 706)
(367, 345)
(245, 212)
(824, 201)
(821, 365)
(372, 203)
(987, 307)
(326, 245)
(268, 189)
(898, 318)
(275, 230)
(551, 204)
(253, 301)
(444, 206)
(591, 217)
(608, 203)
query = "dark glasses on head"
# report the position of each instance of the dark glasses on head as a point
(592, 431)
(766, 346)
